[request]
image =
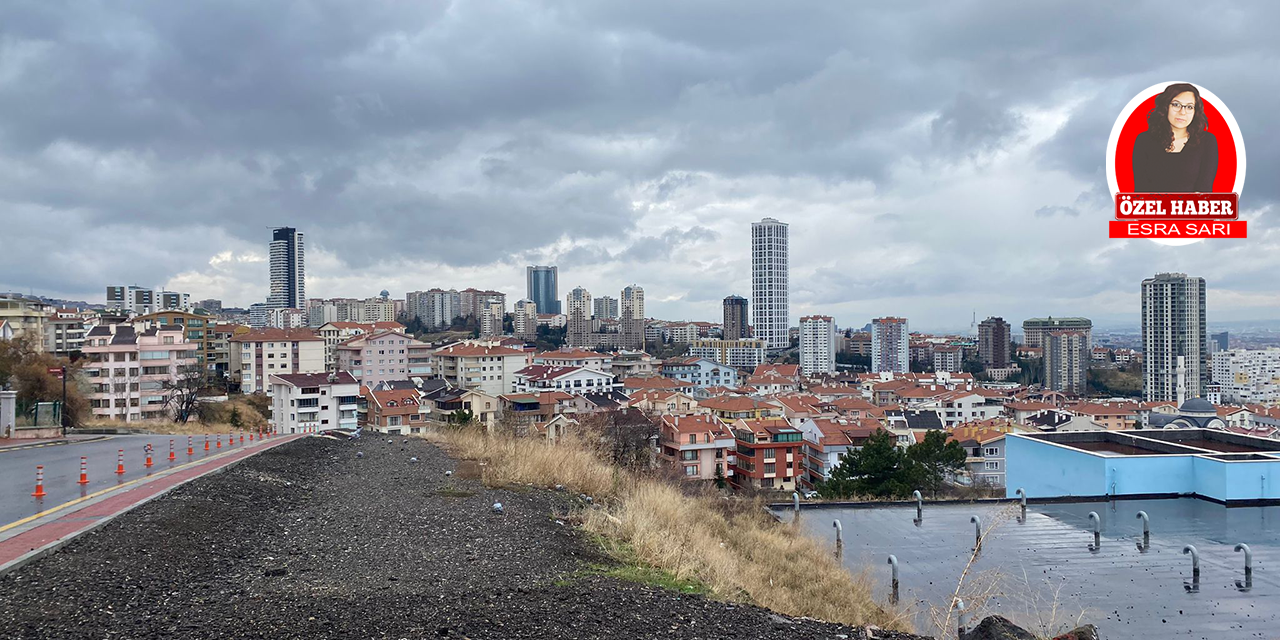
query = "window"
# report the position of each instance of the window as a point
(770, 453)
(770, 467)
(688, 455)
(993, 465)
(691, 470)
(992, 451)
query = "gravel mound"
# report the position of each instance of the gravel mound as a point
(309, 540)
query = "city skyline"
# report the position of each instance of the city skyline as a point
(973, 185)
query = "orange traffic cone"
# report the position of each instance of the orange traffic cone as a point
(120, 462)
(39, 492)
(84, 470)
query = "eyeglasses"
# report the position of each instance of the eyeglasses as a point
(1179, 107)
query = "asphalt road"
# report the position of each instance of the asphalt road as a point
(62, 469)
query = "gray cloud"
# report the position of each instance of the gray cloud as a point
(628, 141)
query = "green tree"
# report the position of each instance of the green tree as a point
(932, 459)
(236, 421)
(878, 469)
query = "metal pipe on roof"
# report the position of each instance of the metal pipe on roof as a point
(1195, 560)
(1023, 495)
(1146, 531)
(1248, 567)
(960, 615)
(977, 528)
(893, 564)
(919, 505)
(1097, 530)
(839, 535)
(795, 502)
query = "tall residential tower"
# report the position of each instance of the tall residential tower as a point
(769, 286)
(542, 288)
(288, 270)
(1173, 325)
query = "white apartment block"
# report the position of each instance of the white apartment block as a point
(260, 353)
(741, 354)
(1066, 356)
(488, 369)
(286, 318)
(1247, 375)
(143, 300)
(947, 357)
(770, 312)
(890, 345)
(492, 313)
(817, 345)
(302, 402)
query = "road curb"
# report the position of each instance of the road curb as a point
(54, 443)
(40, 552)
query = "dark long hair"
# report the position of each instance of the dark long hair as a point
(1158, 118)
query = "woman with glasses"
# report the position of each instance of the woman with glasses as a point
(1175, 154)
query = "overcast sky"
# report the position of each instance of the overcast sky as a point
(932, 161)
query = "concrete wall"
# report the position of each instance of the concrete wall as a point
(1046, 470)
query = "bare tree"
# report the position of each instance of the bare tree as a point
(182, 392)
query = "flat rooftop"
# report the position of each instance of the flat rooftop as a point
(1126, 593)
(1147, 463)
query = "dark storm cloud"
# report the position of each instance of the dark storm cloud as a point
(468, 134)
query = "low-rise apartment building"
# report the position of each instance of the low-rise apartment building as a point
(382, 356)
(701, 372)
(302, 402)
(395, 411)
(768, 455)
(745, 353)
(128, 371)
(487, 368)
(336, 333)
(64, 332)
(540, 377)
(701, 446)
(261, 353)
(198, 328)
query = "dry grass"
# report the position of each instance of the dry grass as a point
(729, 545)
(166, 427)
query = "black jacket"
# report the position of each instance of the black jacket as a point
(1158, 171)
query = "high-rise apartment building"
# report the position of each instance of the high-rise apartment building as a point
(1035, 331)
(542, 288)
(769, 286)
(288, 269)
(817, 345)
(606, 308)
(631, 324)
(578, 308)
(1065, 356)
(524, 321)
(1173, 325)
(143, 300)
(993, 342)
(890, 345)
(736, 320)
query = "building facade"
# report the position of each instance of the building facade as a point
(742, 354)
(605, 307)
(1246, 376)
(1066, 358)
(736, 319)
(993, 342)
(1173, 326)
(578, 308)
(817, 345)
(288, 269)
(770, 290)
(1035, 331)
(23, 316)
(485, 368)
(701, 446)
(543, 288)
(381, 356)
(890, 345)
(302, 402)
(128, 370)
(631, 322)
(524, 322)
(263, 352)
